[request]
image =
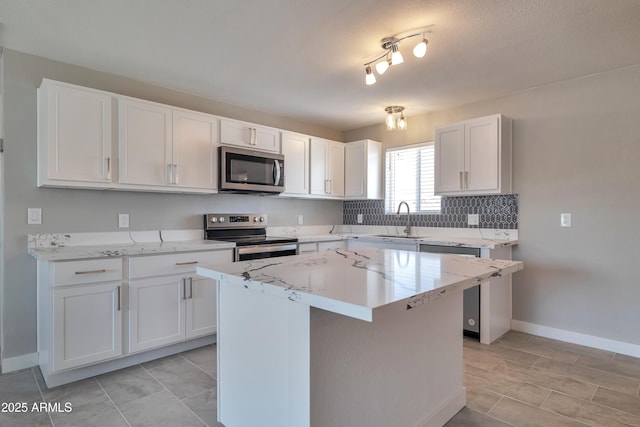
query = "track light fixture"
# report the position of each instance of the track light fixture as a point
(392, 55)
(395, 118)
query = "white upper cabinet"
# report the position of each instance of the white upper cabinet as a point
(144, 143)
(195, 150)
(74, 136)
(295, 148)
(362, 170)
(474, 157)
(327, 168)
(168, 147)
(248, 135)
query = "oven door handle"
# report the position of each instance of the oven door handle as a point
(258, 249)
(276, 172)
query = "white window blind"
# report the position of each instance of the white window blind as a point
(409, 176)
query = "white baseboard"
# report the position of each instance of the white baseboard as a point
(447, 410)
(577, 338)
(24, 361)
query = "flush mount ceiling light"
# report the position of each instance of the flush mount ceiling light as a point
(395, 118)
(392, 56)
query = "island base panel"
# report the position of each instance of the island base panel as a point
(403, 369)
(263, 359)
(291, 365)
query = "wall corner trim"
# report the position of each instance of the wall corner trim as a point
(607, 344)
(17, 363)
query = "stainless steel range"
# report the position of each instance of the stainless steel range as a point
(249, 233)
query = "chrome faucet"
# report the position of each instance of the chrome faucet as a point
(407, 229)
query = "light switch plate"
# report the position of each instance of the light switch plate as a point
(34, 215)
(565, 220)
(360, 219)
(300, 219)
(473, 219)
(123, 220)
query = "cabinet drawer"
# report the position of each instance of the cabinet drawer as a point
(307, 248)
(183, 263)
(89, 271)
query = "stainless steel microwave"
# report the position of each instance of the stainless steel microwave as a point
(248, 171)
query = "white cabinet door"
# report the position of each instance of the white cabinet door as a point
(336, 169)
(194, 153)
(482, 151)
(362, 170)
(248, 135)
(156, 312)
(474, 157)
(449, 163)
(327, 168)
(87, 324)
(355, 169)
(295, 149)
(318, 162)
(144, 143)
(74, 134)
(200, 306)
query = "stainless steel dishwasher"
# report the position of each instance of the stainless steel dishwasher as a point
(471, 303)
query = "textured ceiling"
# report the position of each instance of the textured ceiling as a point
(304, 59)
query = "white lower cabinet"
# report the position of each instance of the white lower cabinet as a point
(80, 313)
(87, 324)
(92, 317)
(174, 306)
(156, 313)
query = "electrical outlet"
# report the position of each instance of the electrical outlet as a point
(34, 215)
(473, 219)
(123, 220)
(360, 219)
(300, 219)
(565, 220)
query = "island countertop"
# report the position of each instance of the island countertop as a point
(355, 283)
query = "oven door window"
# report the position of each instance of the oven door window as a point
(242, 169)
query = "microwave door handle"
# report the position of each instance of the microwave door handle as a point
(276, 170)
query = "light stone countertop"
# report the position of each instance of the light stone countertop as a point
(355, 283)
(67, 253)
(468, 242)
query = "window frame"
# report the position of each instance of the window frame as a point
(418, 179)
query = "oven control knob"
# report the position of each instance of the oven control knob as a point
(255, 219)
(221, 219)
(261, 219)
(214, 219)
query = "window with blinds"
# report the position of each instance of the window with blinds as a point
(410, 176)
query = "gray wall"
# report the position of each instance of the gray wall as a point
(576, 148)
(67, 210)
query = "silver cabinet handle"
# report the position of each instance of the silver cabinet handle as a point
(175, 174)
(253, 136)
(466, 179)
(119, 298)
(108, 171)
(330, 186)
(184, 292)
(190, 287)
(186, 263)
(91, 272)
(461, 186)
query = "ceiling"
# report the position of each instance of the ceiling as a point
(303, 59)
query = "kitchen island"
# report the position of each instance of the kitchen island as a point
(369, 337)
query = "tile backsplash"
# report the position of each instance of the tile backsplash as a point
(500, 212)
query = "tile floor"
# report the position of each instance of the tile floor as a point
(521, 380)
